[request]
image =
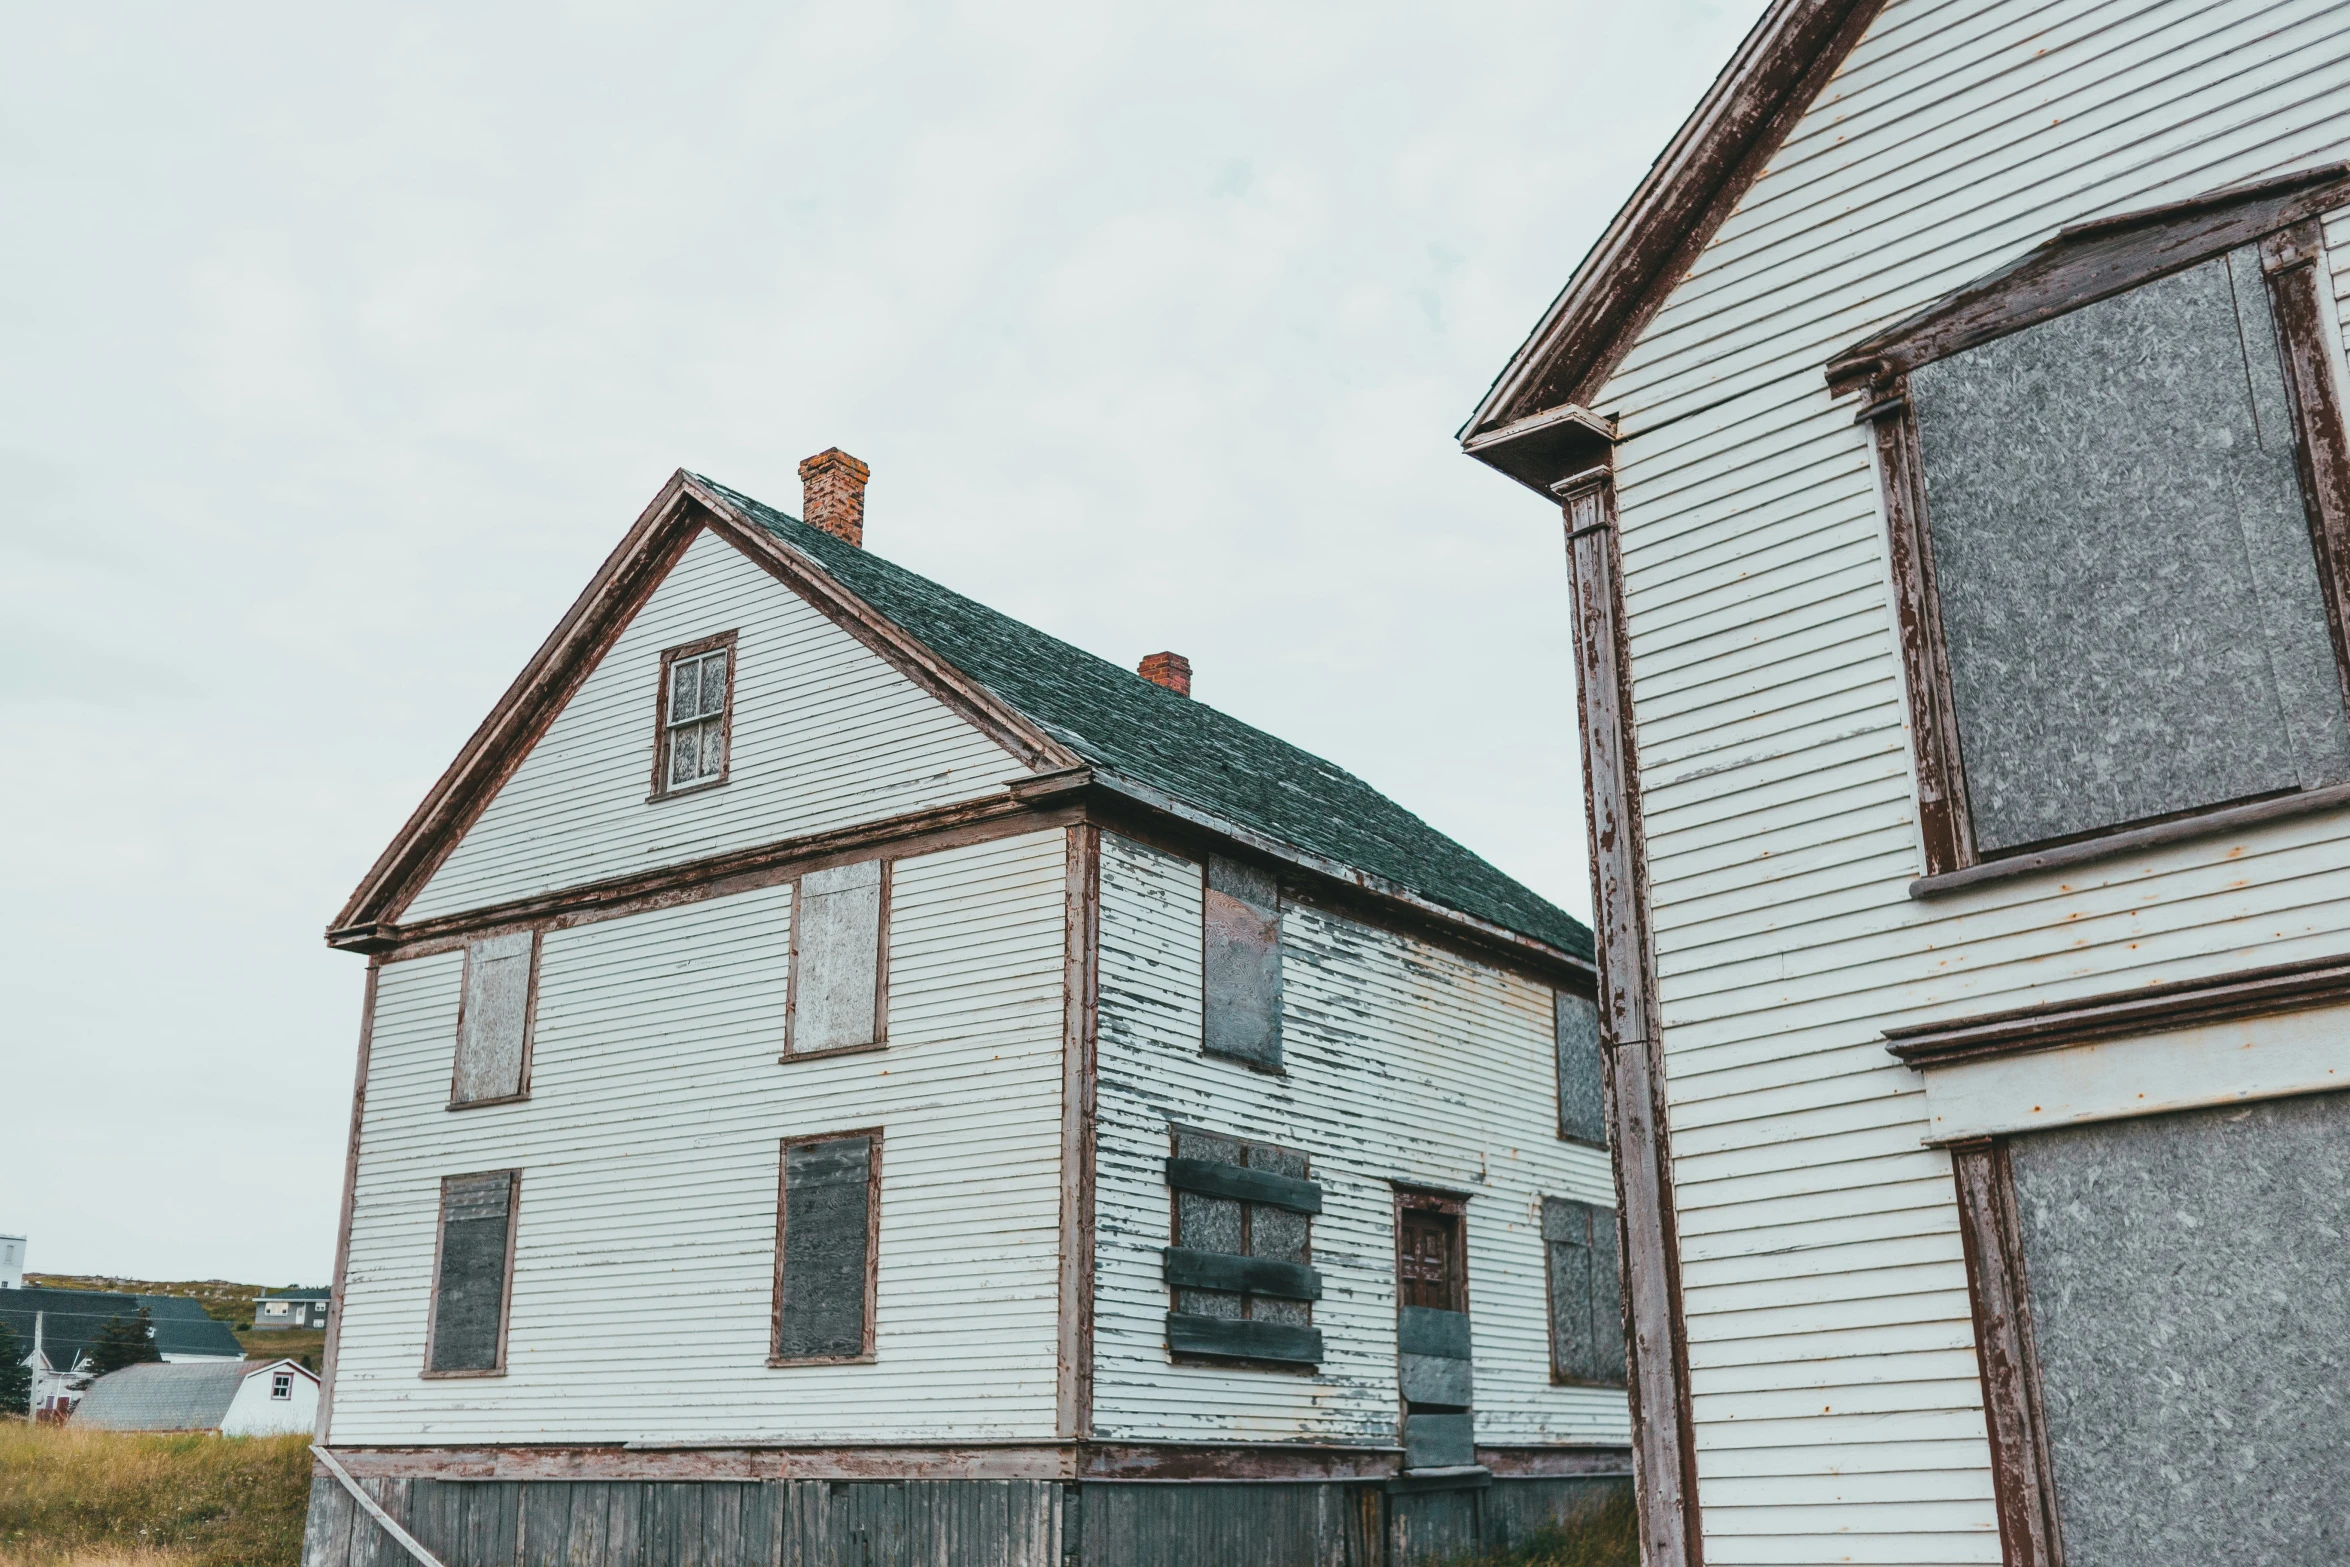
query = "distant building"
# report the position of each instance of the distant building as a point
(248, 1398)
(57, 1329)
(11, 1262)
(291, 1309)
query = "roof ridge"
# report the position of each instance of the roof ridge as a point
(1189, 750)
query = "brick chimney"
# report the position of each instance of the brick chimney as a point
(832, 485)
(1171, 670)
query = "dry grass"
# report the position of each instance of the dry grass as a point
(1606, 1535)
(92, 1498)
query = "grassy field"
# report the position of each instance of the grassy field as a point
(1606, 1536)
(93, 1498)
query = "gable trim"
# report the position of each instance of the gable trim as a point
(1688, 193)
(612, 598)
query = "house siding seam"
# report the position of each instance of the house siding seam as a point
(1401, 1062)
(825, 734)
(1834, 1385)
(649, 1149)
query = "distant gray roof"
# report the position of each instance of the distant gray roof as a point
(316, 1294)
(71, 1321)
(192, 1396)
(1116, 719)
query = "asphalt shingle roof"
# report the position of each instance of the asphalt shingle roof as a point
(1125, 724)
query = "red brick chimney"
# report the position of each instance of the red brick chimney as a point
(832, 485)
(1171, 670)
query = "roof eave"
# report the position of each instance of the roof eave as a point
(1673, 213)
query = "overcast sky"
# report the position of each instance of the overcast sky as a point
(338, 346)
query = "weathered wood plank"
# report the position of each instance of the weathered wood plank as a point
(1214, 1270)
(1247, 1339)
(1214, 1179)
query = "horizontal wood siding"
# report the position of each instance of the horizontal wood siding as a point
(1833, 1375)
(825, 734)
(645, 1249)
(1400, 1063)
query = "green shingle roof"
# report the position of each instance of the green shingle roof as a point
(1126, 725)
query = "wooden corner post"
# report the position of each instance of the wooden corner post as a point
(1081, 999)
(1664, 1450)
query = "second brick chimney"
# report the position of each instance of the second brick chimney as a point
(1171, 670)
(832, 485)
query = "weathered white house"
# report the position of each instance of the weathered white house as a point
(1057, 1122)
(232, 1398)
(1949, 434)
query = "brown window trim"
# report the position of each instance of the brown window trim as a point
(2023, 1481)
(2083, 264)
(791, 978)
(871, 1352)
(1247, 1241)
(530, 1027)
(432, 1301)
(661, 787)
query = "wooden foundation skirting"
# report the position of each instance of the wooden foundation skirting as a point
(1091, 1461)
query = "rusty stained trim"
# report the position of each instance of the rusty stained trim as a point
(1080, 1088)
(2023, 1484)
(1779, 69)
(1013, 1459)
(1632, 1065)
(2121, 1014)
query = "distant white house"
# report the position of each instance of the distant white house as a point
(248, 1398)
(291, 1309)
(11, 1262)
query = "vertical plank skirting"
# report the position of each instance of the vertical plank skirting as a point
(2021, 1479)
(1664, 1454)
(1081, 993)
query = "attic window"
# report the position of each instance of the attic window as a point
(281, 1384)
(696, 716)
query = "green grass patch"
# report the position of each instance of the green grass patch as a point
(88, 1496)
(1604, 1535)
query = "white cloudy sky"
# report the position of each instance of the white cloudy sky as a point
(338, 345)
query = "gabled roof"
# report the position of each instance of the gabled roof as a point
(1065, 714)
(1678, 207)
(156, 1397)
(1114, 719)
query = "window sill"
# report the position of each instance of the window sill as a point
(704, 786)
(484, 1104)
(784, 1363)
(2130, 841)
(451, 1376)
(789, 1056)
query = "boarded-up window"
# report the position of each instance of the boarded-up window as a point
(828, 1217)
(1240, 1269)
(840, 923)
(472, 1274)
(1582, 1103)
(2190, 1317)
(1586, 1293)
(1434, 1371)
(493, 1020)
(1242, 963)
(2129, 599)
(696, 706)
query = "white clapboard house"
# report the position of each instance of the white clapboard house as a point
(1950, 438)
(847, 1077)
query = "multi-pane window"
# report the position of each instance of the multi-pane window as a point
(1240, 1269)
(2124, 605)
(697, 682)
(281, 1384)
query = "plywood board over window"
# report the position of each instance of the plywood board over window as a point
(1585, 1287)
(2119, 488)
(473, 1275)
(1582, 1092)
(1241, 967)
(494, 1018)
(839, 987)
(1241, 1270)
(827, 1248)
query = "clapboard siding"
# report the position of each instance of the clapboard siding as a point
(1830, 1334)
(1401, 1063)
(825, 734)
(648, 1149)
